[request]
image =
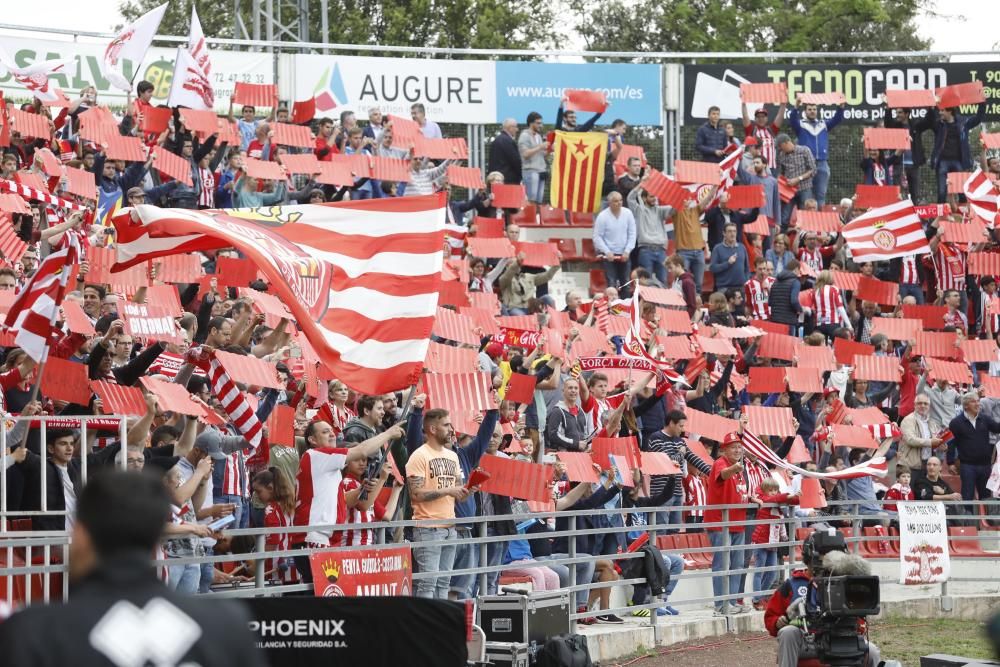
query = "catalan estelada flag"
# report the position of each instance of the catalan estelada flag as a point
(578, 171)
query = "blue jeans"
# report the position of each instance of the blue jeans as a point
(944, 168)
(433, 559)
(241, 511)
(514, 311)
(207, 573)
(762, 581)
(616, 273)
(534, 186)
(466, 556)
(665, 517)
(909, 289)
(584, 575)
(974, 478)
(736, 557)
(184, 578)
(361, 194)
(652, 258)
(820, 180)
(798, 201)
(694, 261)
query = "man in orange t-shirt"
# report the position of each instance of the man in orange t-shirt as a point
(727, 486)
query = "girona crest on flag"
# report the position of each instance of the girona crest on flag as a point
(115, 47)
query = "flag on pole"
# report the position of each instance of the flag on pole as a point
(35, 77)
(885, 233)
(578, 171)
(360, 278)
(634, 348)
(190, 86)
(982, 196)
(131, 43)
(197, 46)
(873, 467)
(35, 309)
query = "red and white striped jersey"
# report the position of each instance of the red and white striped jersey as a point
(908, 274)
(340, 417)
(756, 292)
(355, 515)
(694, 494)
(235, 481)
(275, 517)
(206, 197)
(828, 304)
(949, 266)
(593, 408)
(989, 323)
(812, 258)
(765, 139)
(320, 496)
(755, 474)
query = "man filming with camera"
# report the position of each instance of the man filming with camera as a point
(819, 612)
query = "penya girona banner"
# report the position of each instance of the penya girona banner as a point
(385, 572)
(517, 338)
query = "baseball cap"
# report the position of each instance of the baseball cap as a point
(210, 442)
(760, 111)
(494, 350)
(135, 192)
(731, 438)
(750, 141)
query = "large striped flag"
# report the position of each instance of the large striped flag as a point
(35, 77)
(360, 278)
(578, 171)
(886, 232)
(33, 313)
(874, 467)
(634, 348)
(982, 196)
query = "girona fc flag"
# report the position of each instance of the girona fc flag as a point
(131, 43)
(578, 170)
(190, 87)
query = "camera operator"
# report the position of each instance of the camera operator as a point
(791, 604)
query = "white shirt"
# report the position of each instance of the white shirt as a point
(187, 471)
(69, 495)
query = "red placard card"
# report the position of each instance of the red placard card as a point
(517, 479)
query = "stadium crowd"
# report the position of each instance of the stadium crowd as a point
(777, 298)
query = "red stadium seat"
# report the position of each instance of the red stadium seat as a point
(526, 216)
(698, 542)
(963, 542)
(589, 251)
(552, 216)
(800, 535)
(876, 546)
(508, 579)
(894, 542)
(581, 219)
(568, 249)
(598, 281)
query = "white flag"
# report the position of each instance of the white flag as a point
(190, 87)
(130, 44)
(197, 46)
(35, 77)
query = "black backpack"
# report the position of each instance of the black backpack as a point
(650, 567)
(564, 651)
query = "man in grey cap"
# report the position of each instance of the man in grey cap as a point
(217, 446)
(137, 196)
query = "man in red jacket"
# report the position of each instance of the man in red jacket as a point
(783, 612)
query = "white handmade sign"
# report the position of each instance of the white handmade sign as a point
(923, 543)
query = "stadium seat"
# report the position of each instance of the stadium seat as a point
(589, 251)
(581, 219)
(552, 216)
(526, 216)
(708, 283)
(598, 281)
(876, 546)
(698, 542)
(800, 535)
(963, 541)
(512, 579)
(568, 249)
(894, 542)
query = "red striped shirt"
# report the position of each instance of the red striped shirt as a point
(828, 302)
(356, 515)
(949, 267)
(756, 292)
(765, 139)
(275, 517)
(909, 275)
(694, 494)
(206, 197)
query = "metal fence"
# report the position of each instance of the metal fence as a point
(45, 565)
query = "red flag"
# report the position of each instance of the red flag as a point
(304, 111)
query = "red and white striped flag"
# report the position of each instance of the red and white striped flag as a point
(234, 402)
(360, 278)
(982, 196)
(131, 43)
(35, 77)
(36, 306)
(197, 46)
(602, 318)
(874, 467)
(634, 348)
(886, 232)
(728, 169)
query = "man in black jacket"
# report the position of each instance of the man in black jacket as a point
(505, 157)
(719, 216)
(914, 158)
(783, 298)
(971, 446)
(119, 613)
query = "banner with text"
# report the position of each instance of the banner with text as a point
(364, 572)
(633, 91)
(863, 85)
(228, 68)
(923, 543)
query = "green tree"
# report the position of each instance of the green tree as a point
(486, 24)
(750, 25)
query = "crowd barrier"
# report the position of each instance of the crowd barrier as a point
(35, 565)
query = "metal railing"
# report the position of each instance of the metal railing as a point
(52, 571)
